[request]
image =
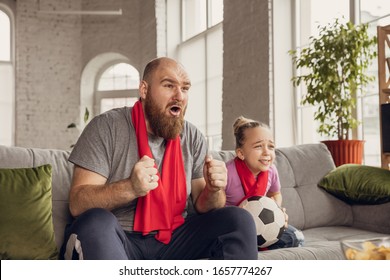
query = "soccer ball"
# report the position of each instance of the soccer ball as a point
(269, 219)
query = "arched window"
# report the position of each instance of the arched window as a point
(7, 78)
(5, 37)
(117, 87)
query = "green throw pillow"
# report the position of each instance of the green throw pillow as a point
(356, 183)
(26, 226)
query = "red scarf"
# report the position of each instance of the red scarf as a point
(251, 186)
(161, 209)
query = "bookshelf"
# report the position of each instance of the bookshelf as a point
(383, 36)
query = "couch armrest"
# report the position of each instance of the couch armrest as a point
(223, 155)
(372, 217)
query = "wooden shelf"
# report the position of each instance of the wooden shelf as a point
(383, 37)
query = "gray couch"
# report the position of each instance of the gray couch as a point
(324, 219)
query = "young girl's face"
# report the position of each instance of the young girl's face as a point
(258, 150)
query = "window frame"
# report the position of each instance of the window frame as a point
(6, 11)
(207, 125)
(103, 94)
(12, 115)
(208, 25)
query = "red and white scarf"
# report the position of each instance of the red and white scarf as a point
(251, 185)
(161, 209)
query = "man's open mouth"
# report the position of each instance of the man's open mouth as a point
(175, 110)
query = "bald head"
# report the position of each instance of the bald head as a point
(156, 63)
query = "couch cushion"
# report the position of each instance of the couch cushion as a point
(324, 250)
(372, 217)
(300, 169)
(13, 157)
(322, 243)
(225, 156)
(26, 214)
(291, 200)
(357, 183)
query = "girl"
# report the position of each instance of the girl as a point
(252, 172)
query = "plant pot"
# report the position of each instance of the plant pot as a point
(345, 151)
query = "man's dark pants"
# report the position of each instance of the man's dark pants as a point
(226, 233)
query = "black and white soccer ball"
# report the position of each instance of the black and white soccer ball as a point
(269, 219)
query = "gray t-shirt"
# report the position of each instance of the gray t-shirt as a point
(108, 146)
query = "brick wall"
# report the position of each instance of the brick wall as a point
(52, 50)
(48, 66)
(245, 64)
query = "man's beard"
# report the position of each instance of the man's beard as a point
(162, 125)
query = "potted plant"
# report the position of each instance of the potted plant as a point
(74, 125)
(335, 63)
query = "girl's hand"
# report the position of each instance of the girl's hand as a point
(285, 216)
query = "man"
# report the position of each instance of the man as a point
(144, 188)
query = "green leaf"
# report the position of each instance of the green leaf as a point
(86, 115)
(334, 66)
(72, 125)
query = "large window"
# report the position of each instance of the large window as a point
(117, 87)
(7, 79)
(199, 15)
(311, 14)
(200, 51)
